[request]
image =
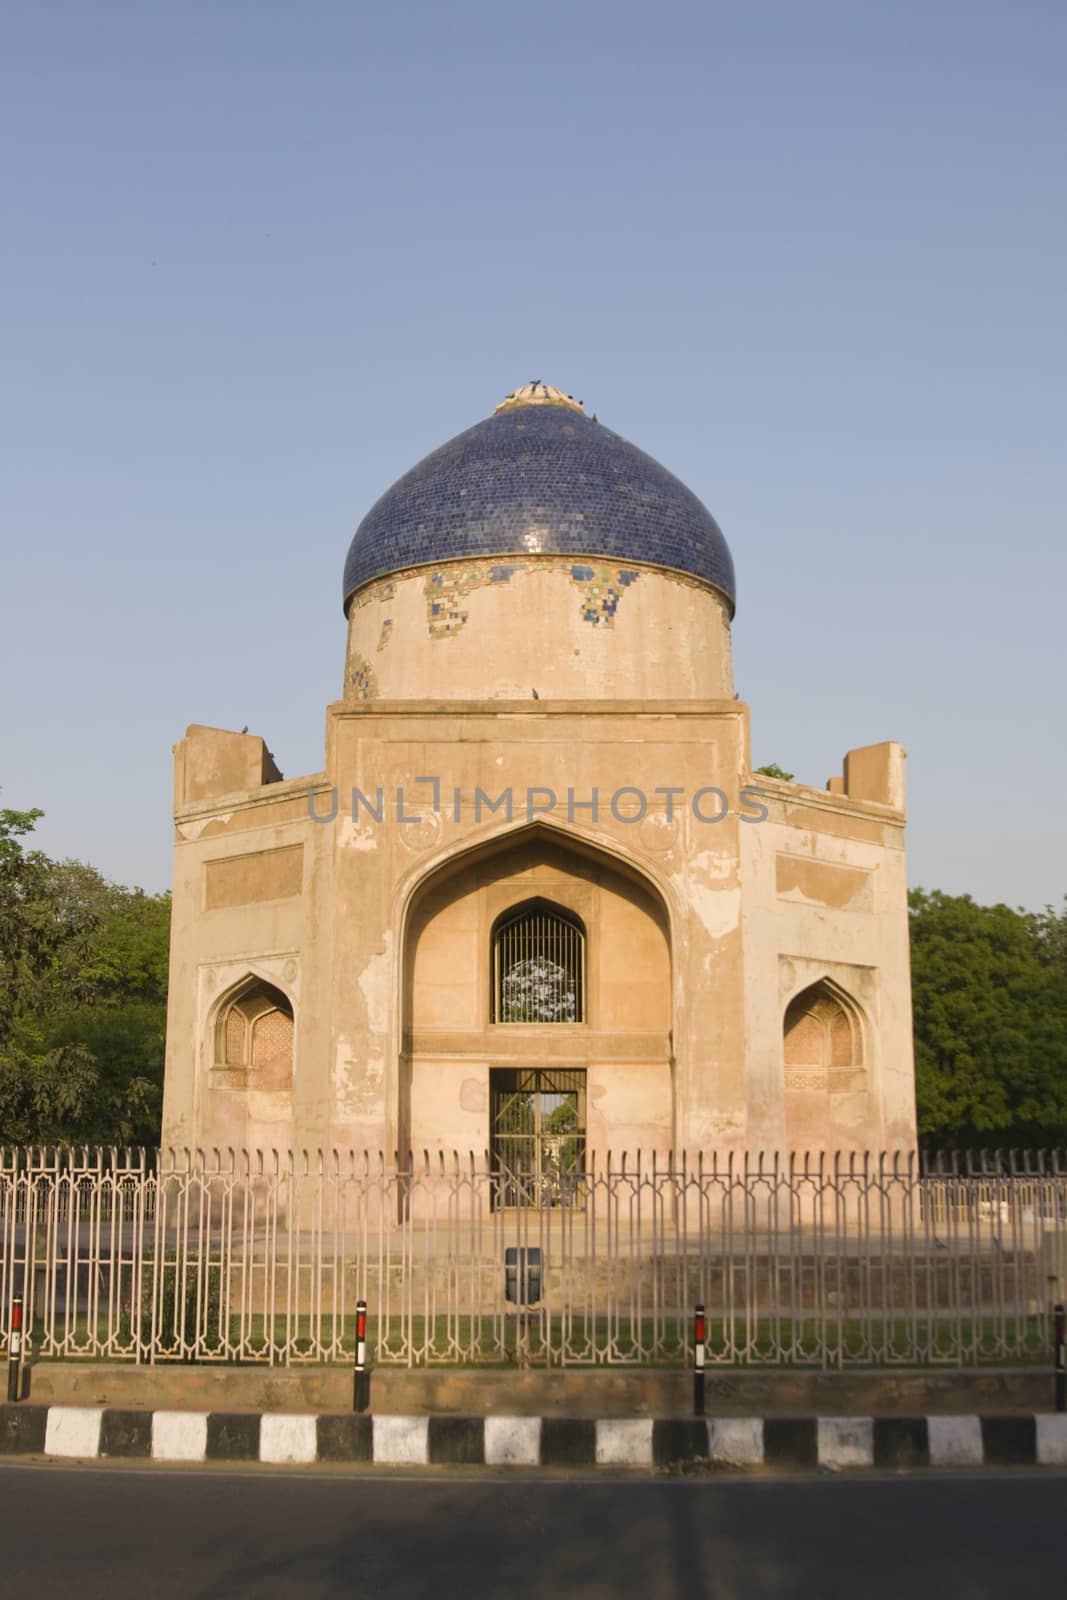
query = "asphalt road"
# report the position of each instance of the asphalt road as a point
(88, 1533)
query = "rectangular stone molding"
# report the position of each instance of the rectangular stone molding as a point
(736, 1441)
(179, 1435)
(72, 1431)
(846, 1442)
(288, 1438)
(804, 881)
(624, 1442)
(512, 1441)
(249, 879)
(404, 1441)
(955, 1441)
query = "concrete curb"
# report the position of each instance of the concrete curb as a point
(835, 1443)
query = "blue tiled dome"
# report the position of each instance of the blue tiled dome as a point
(538, 477)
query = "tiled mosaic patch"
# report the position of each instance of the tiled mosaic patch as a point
(362, 680)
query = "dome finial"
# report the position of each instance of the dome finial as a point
(538, 393)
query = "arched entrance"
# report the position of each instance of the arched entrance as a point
(537, 1010)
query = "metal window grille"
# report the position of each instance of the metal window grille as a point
(539, 968)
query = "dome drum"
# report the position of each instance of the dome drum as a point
(538, 626)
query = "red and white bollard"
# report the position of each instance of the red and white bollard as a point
(700, 1335)
(361, 1377)
(14, 1349)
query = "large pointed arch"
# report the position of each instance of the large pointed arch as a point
(494, 836)
(450, 1037)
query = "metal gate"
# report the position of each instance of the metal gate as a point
(537, 1135)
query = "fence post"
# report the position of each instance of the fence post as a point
(14, 1349)
(699, 1342)
(1061, 1356)
(361, 1377)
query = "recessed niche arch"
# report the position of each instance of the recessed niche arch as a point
(253, 1036)
(822, 1029)
(825, 1045)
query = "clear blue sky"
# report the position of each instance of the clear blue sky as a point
(259, 258)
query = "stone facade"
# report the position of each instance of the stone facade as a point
(743, 941)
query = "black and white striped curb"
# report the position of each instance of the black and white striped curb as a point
(838, 1443)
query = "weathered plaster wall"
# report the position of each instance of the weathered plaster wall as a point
(252, 895)
(690, 865)
(701, 930)
(825, 896)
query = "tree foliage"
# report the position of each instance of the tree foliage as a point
(989, 999)
(83, 982)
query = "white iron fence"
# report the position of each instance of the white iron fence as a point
(259, 1257)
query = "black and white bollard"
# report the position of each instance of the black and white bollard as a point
(699, 1343)
(361, 1377)
(1060, 1323)
(14, 1349)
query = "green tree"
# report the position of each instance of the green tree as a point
(83, 975)
(989, 986)
(773, 770)
(30, 933)
(42, 1091)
